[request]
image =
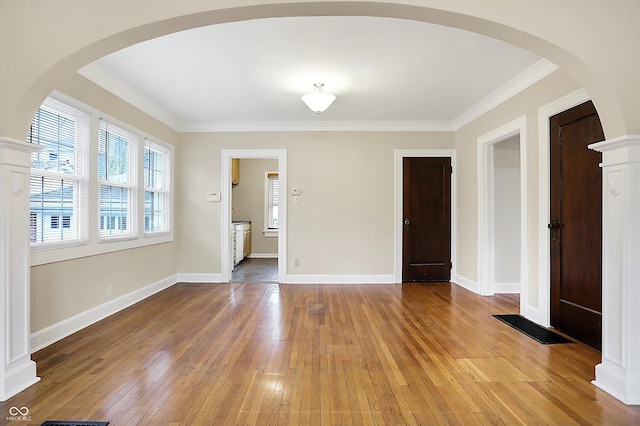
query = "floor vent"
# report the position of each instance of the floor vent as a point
(537, 332)
(73, 423)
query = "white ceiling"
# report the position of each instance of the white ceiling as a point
(386, 73)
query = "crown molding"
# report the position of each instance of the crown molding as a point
(527, 78)
(317, 126)
(109, 82)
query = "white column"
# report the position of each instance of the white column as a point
(17, 370)
(619, 372)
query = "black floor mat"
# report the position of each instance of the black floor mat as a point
(533, 330)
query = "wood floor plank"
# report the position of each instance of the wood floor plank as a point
(263, 353)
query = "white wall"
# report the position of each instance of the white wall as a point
(343, 224)
(506, 181)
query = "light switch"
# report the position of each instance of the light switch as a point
(295, 191)
(213, 197)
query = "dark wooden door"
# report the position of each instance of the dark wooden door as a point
(576, 224)
(426, 243)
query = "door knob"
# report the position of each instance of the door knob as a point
(406, 221)
(553, 227)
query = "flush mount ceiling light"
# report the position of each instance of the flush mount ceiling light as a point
(318, 100)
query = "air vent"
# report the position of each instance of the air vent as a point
(537, 332)
(73, 423)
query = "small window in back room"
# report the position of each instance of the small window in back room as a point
(271, 204)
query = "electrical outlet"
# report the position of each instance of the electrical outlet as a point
(296, 262)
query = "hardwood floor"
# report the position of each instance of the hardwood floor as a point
(213, 354)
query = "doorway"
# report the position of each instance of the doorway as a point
(506, 216)
(227, 214)
(575, 226)
(502, 212)
(254, 219)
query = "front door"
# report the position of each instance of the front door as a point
(576, 224)
(426, 241)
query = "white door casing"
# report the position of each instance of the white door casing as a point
(226, 259)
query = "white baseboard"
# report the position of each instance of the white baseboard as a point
(263, 255)
(465, 283)
(622, 383)
(19, 376)
(47, 336)
(339, 279)
(199, 278)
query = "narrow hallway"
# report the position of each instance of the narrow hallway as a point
(256, 271)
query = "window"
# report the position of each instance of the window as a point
(116, 175)
(156, 187)
(271, 204)
(58, 181)
(99, 169)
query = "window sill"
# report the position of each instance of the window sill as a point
(116, 238)
(41, 256)
(58, 245)
(155, 234)
(270, 233)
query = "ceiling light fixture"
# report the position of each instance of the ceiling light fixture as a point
(318, 100)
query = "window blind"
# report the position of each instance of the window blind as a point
(273, 195)
(117, 178)
(156, 186)
(58, 182)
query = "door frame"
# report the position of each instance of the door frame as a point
(542, 312)
(399, 155)
(226, 260)
(486, 209)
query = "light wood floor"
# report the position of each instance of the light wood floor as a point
(238, 353)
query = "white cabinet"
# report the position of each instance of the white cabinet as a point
(246, 241)
(239, 243)
(242, 241)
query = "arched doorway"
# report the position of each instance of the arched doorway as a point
(22, 102)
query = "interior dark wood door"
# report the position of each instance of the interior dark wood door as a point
(426, 252)
(576, 224)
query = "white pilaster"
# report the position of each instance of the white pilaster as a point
(619, 372)
(17, 370)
